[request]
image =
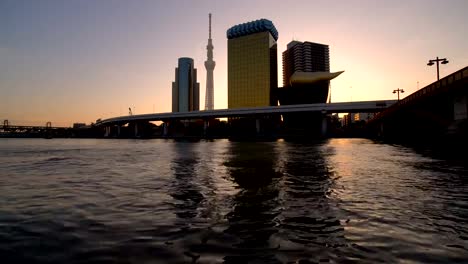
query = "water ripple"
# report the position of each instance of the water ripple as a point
(162, 201)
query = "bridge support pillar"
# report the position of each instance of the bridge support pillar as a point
(324, 128)
(460, 109)
(136, 130)
(257, 126)
(206, 124)
(165, 129)
(107, 131)
(381, 129)
(118, 130)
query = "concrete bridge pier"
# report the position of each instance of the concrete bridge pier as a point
(460, 109)
(165, 129)
(206, 124)
(460, 115)
(324, 128)
(258, 127)
(136, 130)
(107, 130)
(381, 130)
(118, 130)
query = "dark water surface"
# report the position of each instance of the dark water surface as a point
(162, 201)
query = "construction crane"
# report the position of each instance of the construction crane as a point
(130, 111)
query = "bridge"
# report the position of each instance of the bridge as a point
(347, 107)
(9, 130)
(436, 111)
(253, 113)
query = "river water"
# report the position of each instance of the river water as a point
(163, 201)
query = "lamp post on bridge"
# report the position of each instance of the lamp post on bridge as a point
(443, 61)
(398, 92)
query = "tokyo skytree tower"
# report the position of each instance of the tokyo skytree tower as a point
(209, 65)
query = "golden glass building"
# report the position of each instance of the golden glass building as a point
(252, 64)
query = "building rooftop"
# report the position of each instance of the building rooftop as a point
(252, 27)
(295, 42)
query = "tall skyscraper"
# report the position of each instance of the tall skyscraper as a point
(209, 65)
(252, 64)
(185, 88)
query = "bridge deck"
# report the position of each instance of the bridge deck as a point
(345, 107)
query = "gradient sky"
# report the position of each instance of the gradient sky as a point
(80, 60)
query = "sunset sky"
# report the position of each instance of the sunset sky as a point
(77, 61)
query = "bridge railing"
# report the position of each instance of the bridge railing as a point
(433, 87)
(426, 91)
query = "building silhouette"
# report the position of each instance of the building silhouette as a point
(185, 88)
(252, 64)
(304, 57)
(306, 73)
(209, 65)
(306, 80)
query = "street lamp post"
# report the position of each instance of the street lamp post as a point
(443, 61)
(398, 92)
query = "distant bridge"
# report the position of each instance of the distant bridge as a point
(8, 127)
(9, 130)
(346, 107)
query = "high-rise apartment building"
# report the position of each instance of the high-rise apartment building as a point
(306, 73)
(252, 64)
(185, 88)
(304, 57)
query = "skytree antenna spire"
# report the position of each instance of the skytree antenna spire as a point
(209, 65)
